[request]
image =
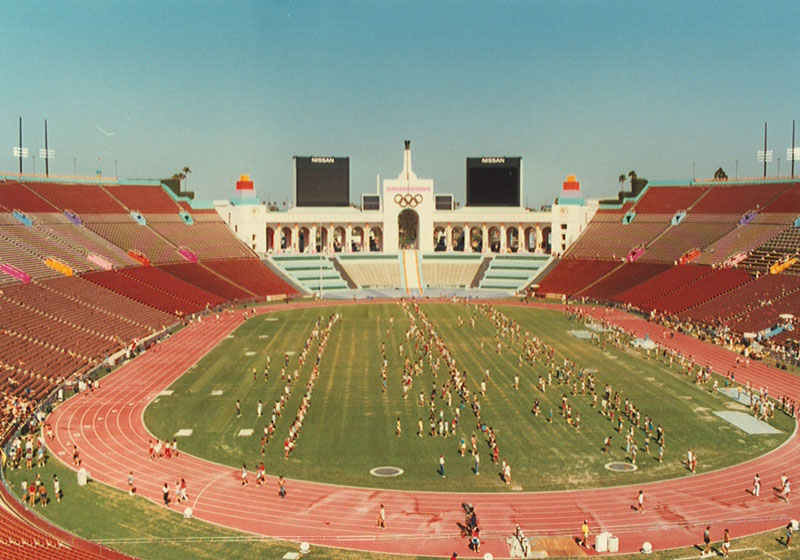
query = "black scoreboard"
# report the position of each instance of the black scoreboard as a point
(322, 181)
(494, 181)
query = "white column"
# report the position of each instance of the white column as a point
(276, 239)
(503, 244)
(348, 245)
(539, 239)
(467, 239)
(448, 236)
(314, 238)
(484, 238)
(365, 247)
(330, 239)
(522, 243)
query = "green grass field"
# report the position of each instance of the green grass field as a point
(350, 424)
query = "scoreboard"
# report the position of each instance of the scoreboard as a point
(322, 181)
(494, 181)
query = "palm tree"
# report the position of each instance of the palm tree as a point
(185, 172)
(621, 180)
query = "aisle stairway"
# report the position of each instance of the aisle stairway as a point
(411, 272)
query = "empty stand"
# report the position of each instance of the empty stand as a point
(14, 196)
(623, 278)
(786, 203)
(202, 277)
(694, 232)
(674, 278)
(251, 275)
(613, 240)
(78, 198)
(513, 272)
(125, 233)
(373, 270)
(449, 270)
(703, 289)
(147, 199)
(668, 200)
(313, 272)
(738, 199)
(570, 276)
(208, 239)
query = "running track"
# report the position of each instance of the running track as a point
(108, 428)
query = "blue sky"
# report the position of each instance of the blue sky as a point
(586, 88)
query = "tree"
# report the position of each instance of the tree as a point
(720, 175)
(185, 172)
(621, 180)
(633, 176)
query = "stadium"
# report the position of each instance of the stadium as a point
(427, 349)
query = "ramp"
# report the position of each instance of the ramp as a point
(411, 272)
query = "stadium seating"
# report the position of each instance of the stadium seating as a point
(202, 277)
(13, 252)
(786, 243)
(312, 272)
(450, 270)
(130, 287)
(737, 198)
(124, 232)
(251, 275)
(703, 289)
(742, 239)
(621, 279)
(162, 281)
(674, 278)
(614, 240)
(373, 270)
(668, 200)
(147, 199)
(694, 232)
(14, 196)
(513, 272)
(206, 239)
(570, 276)
(745, 299)
(786, 203)
(78, 198)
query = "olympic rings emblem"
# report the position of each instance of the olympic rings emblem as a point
(407, 200)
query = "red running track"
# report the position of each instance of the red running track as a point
(107, 426)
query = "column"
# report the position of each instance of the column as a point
(295, 244)
(348, 246)
(522, 242)
(448, 236)
(314, 238)
(485, 238)
(467, 236)
(503, 240)
(539, 239)
(366, 247)
(276, 239)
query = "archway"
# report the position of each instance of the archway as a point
(338, 239)
(512, 239)
(439, 239)
(408, 229)
(357, 239)
(457, 235)
(286, 239)
(494, 239)
(270, 240)
(303, 240)
(321, 242)
(530, 240)
(376, 239)
(476, 239)
(546, 241)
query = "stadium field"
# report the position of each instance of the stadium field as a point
(350, 423)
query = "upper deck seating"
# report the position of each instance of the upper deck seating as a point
(78, 198)
(668, 200)
(14, 196)
(570, 276)
(147, 199)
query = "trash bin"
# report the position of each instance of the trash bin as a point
(613, 544)
(601, 542)
(83, 477)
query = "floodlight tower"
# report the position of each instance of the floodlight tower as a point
(19, 151)
(793, 153)
(765, 156)
(46, 153)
